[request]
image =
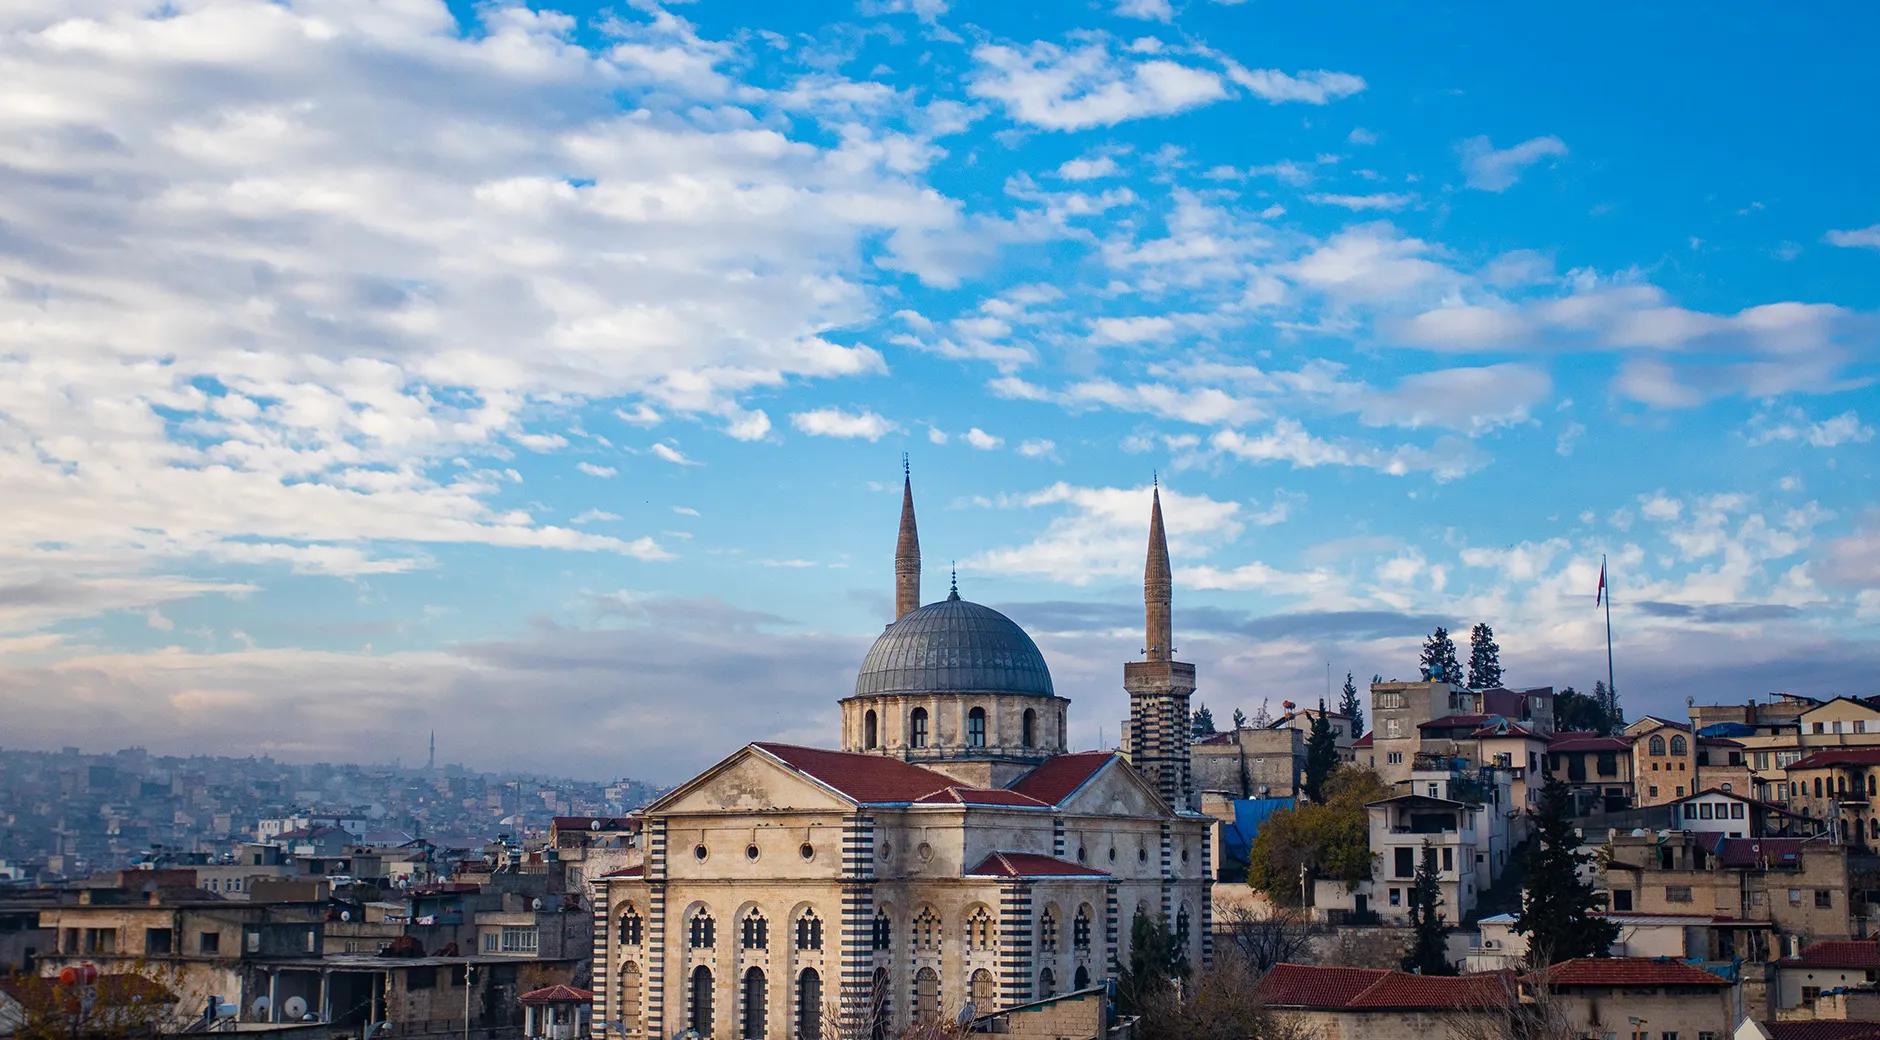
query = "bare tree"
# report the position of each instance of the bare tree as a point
(1219, 1002)
(1264, 937)
(868, 1021)
(1509, 1011)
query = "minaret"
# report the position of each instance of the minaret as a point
(906, 551)
(1159, 685)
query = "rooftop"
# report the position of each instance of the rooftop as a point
(1629, 971)
(1836, 954)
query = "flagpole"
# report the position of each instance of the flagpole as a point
(1612, 691)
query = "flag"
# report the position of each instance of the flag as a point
(1601, 593)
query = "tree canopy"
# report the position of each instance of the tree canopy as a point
(1439, 658)
(1557, 906)
(1349, 704)
(1321, 755)
(1575, 711)
(1428, 952)
(1203, 721)
(1484, 658)
(1332, 838)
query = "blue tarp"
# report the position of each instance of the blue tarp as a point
(1727, 729)
(1249, 813)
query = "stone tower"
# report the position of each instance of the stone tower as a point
(1159, 685)
(906, 552)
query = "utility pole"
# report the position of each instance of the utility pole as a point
(469, 973)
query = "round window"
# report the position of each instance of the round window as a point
(925, 851)
(1112, 854)
(698, 852)
(750, 852)
(1083, 854)
(807, 850)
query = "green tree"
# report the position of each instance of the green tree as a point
(1576, 712)
(1558, 907)
(1348, 704)
(1155, 962)
(1484, 658)
(1240, 719)
(1321, 755)
(1428, 950)
(1439, 658)
(1203, 721)
(1609, 702)
(1329, 839)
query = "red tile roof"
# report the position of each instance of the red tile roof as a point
(558, 994)
(1757, 852)
(1031, 864)
(1057, 778)
(637, 870)
(1588, 742)
(1364, 741)
(1836, 954)
(1822, 1029)
(980, 796)
(1868, 756)
(1629, 971)
(1373, 989)
(1313, 986)
(862, 778)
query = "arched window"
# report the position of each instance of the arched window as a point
(976, 728)
(870, 731)
(1873, 827)
(926, 995)
(1047, 931)
(1080, 928)
(630, 997)
(927, 932)
(809, 931)
(755, 931)
(979, 930)
(884, 931)
(1841, 783)
(1028, 728)
(1817, 787)
(1047, 984)
(1081, 981)
(699, 1015)
(703, 931)
(1657, 745)
(879, 998)
(917, 728)
(755, 1001)
(1679, 746)
(1870, 785)
(808, 1005)
(984, 991)
(631, 927)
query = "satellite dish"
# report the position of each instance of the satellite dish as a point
(294, 1007)
(345, 915)
(259, 1007)
(595, 825)
(535, 904)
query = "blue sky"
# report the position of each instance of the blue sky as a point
(541, 375)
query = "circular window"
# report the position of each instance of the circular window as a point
(698, 852)
(1184, 855)
(1112, 854)
(1083, 854)
(887, 849)
(750, 852)
(925, 851)
(1142, 855)
(807, 851)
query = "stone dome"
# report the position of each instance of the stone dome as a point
(954, 646)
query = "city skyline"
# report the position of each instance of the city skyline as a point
(542, 378)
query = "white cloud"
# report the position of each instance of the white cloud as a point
(1100, 532)
(1793, 427)
(1288, 441)
(1089, 169)
(1492, 169)
(1379, 201)
(1359, 135)
(595, 470)
(982, 440)
(1660, 507)
(834, 422)
(685, 510)
(593, 516)
(1316, 87)
(1471, 399)
(1147, 10)
(1038, 448)
(673, 455)
(1056, 88)
(1855, 238)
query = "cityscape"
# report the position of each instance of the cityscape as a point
(920, 519)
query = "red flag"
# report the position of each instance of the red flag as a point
(1599, 595)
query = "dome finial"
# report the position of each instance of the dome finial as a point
(954, 592)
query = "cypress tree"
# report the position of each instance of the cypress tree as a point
(1321, 755)
(1484, 658)
(1557, 907)
(1240, 719)
(1349, 705)
(1203, 721)
(1428, 952)
(1439, 658)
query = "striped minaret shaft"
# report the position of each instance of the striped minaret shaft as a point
(1158, 684)
(906, 552)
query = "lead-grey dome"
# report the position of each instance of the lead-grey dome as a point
(954, 646)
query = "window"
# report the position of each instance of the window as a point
(1608, 763)
(1028, 729)
(1396, 897)
(976, 728)
(1837, 726)
(1406, 863)
(1810, 994)
(754, 1001)
(1680, 748)
(981, 989)
(979, 930)
(519, 938)
(1819, 728)
(1817, 787)
(1621, 899)
(1703, 811)
(1080, 929)
(1736, 810)
(927, 934)
(754, 933)
(808, 1005)
(1182, 928)
(1795, 897)
(421, 978)
(917, 728)
(157, 940)
(1669, 1034)
(1081, 981)
(870, 730)
(1652, 792)
(209, 942)
(1047, 932)
(703, 932)
(700, 1013)
(884, 931)
(1656, 746)
(809, 931)
(630, 927)
(1047, 984)
(1824, 899)
(1677, 893)
(1449, 860)
(1394, 758)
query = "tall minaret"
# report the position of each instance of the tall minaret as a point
(906, 551)
(1159, 685)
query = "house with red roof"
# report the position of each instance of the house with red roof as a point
(1640, 996)
(1597, 768)
(952, 851)
(1826, 967)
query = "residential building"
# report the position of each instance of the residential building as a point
(1597, 769)
(1738, 816)
(1824, 967)
(1641, 997)
(1664, 760)
(1841, 787)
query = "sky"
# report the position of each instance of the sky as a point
(540, 375)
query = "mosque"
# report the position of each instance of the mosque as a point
(954, 851)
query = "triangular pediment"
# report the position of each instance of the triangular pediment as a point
(1116, 789)
(750, 781)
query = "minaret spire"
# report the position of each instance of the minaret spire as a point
(1157, 587)
(906, 550)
